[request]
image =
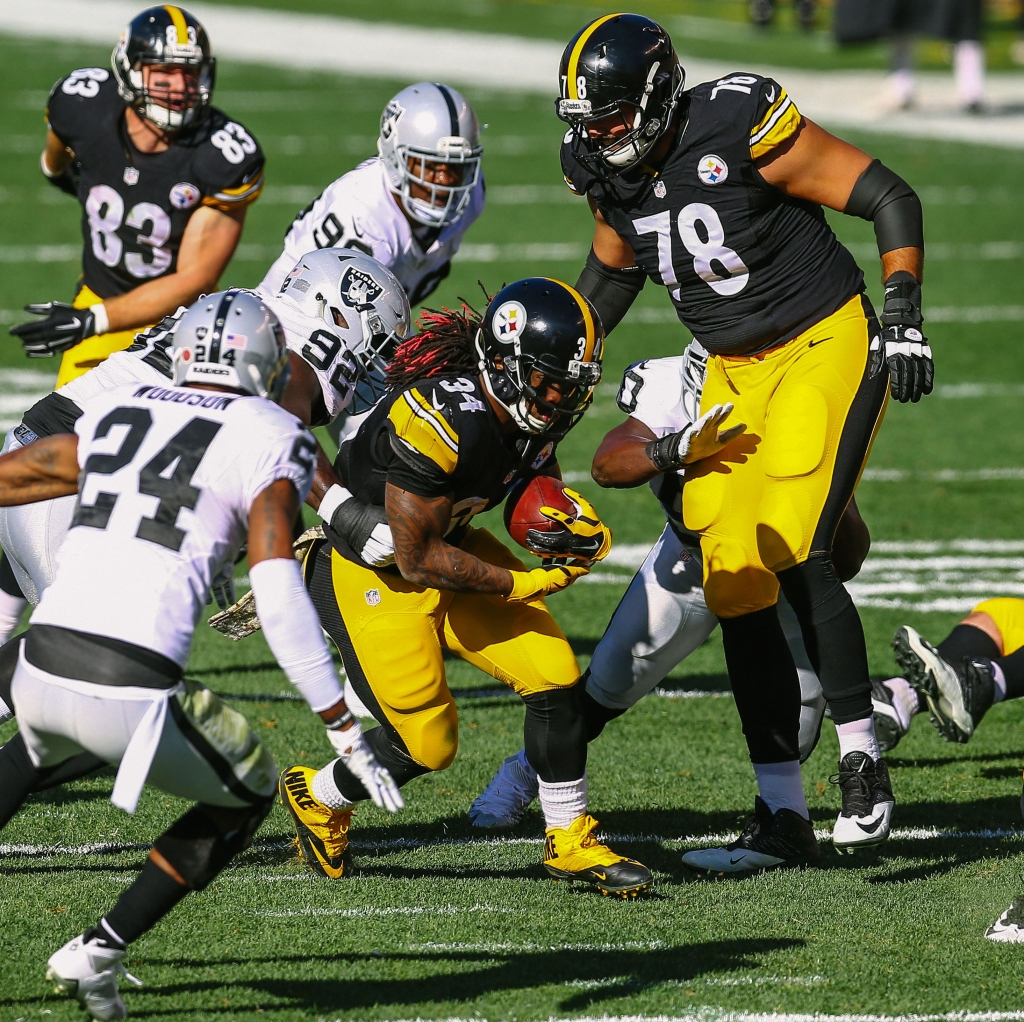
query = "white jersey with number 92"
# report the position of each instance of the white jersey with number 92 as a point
(169, 475)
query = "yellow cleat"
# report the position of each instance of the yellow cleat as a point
(321, 833)
(575, 854)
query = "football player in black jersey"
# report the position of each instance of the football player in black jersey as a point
(475, 405)
(717, 194)
(164, 180)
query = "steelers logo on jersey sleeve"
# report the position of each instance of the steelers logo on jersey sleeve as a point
(712, 170)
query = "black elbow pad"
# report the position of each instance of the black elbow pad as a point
(883, 197)
(611, 291)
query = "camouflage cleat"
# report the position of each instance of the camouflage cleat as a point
(575, 854)
(321, 833)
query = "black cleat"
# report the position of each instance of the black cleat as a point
(888, 726)
(868, 802)
(768, 841)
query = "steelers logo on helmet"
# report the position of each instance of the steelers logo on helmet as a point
(712, 170)
(509, 322)
(358, 288)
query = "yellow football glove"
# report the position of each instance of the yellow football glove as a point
(527, 585)
(582, 536)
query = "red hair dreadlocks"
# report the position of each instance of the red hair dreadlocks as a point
(445, 344)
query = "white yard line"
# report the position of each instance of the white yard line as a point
(715, 1014)
(511, 64)
(400, 910)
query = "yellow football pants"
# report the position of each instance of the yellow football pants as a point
(88, 354)
(399, 631)
(1008, 614)
(776, 494)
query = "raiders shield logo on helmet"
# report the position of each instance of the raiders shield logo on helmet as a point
(359, 289)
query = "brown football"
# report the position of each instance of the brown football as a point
(522, 507)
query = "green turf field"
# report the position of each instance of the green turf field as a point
(441, 924)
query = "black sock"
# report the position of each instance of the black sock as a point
(555, 735)
(966, 640)
(765, 684)
(1013, 672)
(833, 635)
(595, 714)
(8, 580)
(8, 665)
(402, 767)
(141, 906)
(18, 777)
(82, 765)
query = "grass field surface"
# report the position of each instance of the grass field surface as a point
(442, 922)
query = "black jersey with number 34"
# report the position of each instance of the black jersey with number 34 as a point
(135, 205)
(746, 266)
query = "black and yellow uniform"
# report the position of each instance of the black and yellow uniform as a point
(761, 281)
(135, 205)
(433, 438)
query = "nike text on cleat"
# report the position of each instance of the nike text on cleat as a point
(768, 841)
(504, 801)
(867, 802)
(888, 726)
(938, 682)
(89, 970)
(1009, 927)
(321, 833)
(575, 854)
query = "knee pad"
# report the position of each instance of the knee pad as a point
(595, 714)
(203, 841)
(555, 734)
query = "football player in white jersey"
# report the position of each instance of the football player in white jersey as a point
(172, 480)
(663, 618)
(410, 205)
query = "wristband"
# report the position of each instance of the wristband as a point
(45, 169)
(101, 319)
(332, 500)
(902, 300)
(339, 722)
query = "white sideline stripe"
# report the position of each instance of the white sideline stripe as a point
(944, 475)
(626, 945)
(512, 64)
(412, 844)
(401, 910)
(931, 546)
(715, 1014)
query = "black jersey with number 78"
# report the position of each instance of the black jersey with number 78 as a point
(746, 266)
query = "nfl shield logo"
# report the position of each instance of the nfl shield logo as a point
(372, 597)
(660, 190)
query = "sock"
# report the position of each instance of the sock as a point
(563, 802)
(1000, 680)
(781, 787)
(18, 777)
(969, 71)
(1012, 669)
(905, 699)
(142, 905)
(11, 609)
(858, 736)
(966, 640)
(325, 788)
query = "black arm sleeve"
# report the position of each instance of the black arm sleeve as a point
(882, 196)
(611, 291)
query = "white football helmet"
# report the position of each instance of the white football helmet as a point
(430, 123)
(362, 302)
(695, 366)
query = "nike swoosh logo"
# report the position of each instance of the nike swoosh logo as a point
(738, 858)
(870, 828)
(600, 876)
(821, 340)
(771, 95)
(433, 401)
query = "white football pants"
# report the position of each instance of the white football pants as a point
(31, 535)
(662, 619)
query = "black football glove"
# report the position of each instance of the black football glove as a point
(63, 327)
(582, 536)
(901, 344)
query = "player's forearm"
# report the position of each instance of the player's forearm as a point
(910, 260)
(43, 470)
(323, 479)
(56, 156)
(622, 461)
(150, 302)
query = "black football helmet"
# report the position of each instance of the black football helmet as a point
(625, 65)
(165, 36)
(536, 332)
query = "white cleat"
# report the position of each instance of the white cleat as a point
(936, 681)
(868, 802)
(90, 971)
(1009, 927)
(505, 800)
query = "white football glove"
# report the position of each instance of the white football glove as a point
(356, 754)
(699, 440)
(364, 527)
(222, 587)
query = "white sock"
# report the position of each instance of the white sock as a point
(325, 789)
(1000, 679)
(969, 70)
(781, 787)
(858, 736)
(904, 698)
(563, 802)
(11, 609)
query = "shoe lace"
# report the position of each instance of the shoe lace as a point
(856, 789)
(134, 980)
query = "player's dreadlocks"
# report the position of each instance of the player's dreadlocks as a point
(444, 345)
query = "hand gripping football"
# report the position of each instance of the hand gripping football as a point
(522, 507)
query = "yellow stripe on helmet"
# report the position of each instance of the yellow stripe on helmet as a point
(180, 25)
(588, 319)
(574, 57)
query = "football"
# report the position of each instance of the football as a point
(523, 504)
